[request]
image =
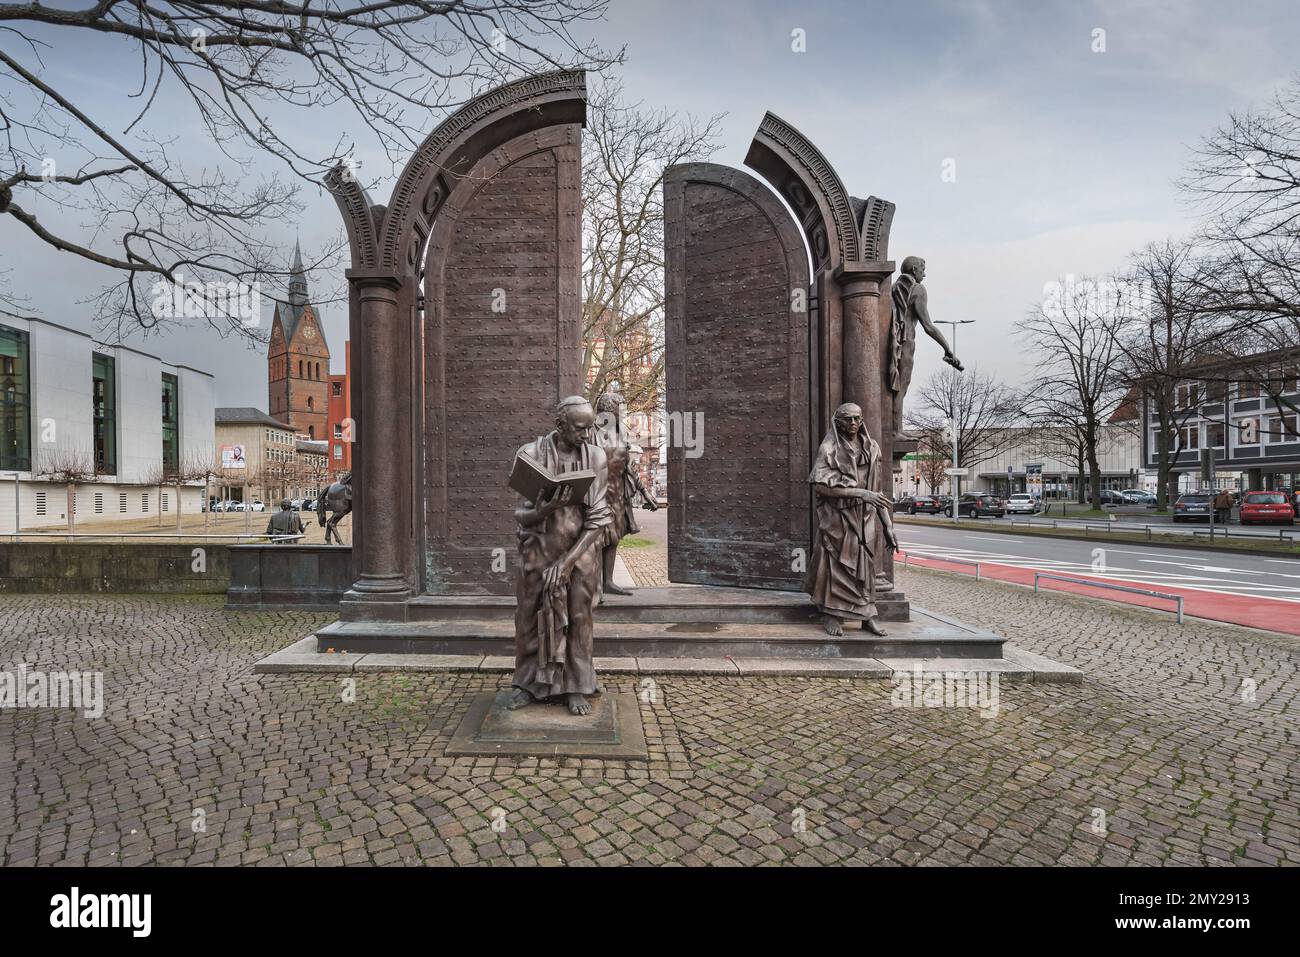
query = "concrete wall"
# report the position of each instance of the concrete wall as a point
(61, 396)
(80, 568)
(139, 414)
(56, 504)
(197, 438)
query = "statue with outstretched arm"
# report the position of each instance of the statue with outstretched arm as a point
(910, 307)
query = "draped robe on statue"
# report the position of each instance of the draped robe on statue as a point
(841, 579)
(553, 629)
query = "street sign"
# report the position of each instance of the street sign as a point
(957, 472)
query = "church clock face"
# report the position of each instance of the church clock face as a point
(309, 333)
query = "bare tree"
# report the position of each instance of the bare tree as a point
(1077, 384)
(72, 466)
(1165, 335)
(626, 152)
(982, 408)
(1246, 176)
(258, 78)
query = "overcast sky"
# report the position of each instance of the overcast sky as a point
(1065, 159)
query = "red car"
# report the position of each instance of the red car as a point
(1258, 507)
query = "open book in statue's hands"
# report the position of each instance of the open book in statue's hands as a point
(534, 481)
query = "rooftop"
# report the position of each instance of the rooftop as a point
(247, 415)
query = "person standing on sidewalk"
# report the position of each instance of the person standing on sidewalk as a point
(1223, 507)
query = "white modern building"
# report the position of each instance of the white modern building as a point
(116, 421)
(1030, 451)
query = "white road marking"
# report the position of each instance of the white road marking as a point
(1191, 582)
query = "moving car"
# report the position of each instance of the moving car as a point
(1193, 506)
(1259, 507)
(1022, 503)
(1135, 496)
(973, 506)
(911, 504)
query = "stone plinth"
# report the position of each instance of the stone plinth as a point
(612, 730)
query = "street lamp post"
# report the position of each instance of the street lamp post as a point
(952, 424)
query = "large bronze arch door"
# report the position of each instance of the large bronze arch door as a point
(736, 274)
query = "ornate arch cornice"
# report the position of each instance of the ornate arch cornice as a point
(359, 216)
(799, 172)
(460, 141)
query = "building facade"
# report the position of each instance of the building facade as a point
(104, 432)
(340, 419)
(260, 458)
(298, 361)
(1250, 423)
(1028, 450)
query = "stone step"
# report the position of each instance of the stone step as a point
(672, 604)
(925, 636)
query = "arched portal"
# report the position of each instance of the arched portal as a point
(395, 423)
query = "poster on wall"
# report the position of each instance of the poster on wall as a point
(232, 457)
(1034, 481)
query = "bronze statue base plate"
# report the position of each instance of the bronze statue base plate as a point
(544, 729)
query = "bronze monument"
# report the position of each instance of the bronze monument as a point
(624, 488)
(337, 499)
(559, 564)
(910, 306)
(851, 511)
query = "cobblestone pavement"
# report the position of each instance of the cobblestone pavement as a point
(198, 761)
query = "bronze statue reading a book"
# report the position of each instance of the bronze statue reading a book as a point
(562, 480)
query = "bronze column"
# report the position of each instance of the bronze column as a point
(859, 285)
(381, 581)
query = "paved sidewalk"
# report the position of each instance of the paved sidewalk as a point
(1178, 748)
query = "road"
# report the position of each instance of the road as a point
(1257, 591)
(1135, 520)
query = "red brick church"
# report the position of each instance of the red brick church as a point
(298, 361)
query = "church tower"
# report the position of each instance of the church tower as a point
(298, 361)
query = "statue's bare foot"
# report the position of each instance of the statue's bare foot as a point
(613, 589)
(578, 704)
(833, 626)
(875, 629)
(519, 698)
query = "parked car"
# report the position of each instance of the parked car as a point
(256, 505)
(1260, 507)
(1193, 506)
(309, 505)
(1022, 503)
(911, 504)
(1136, 496)
(295, 504)
(973, 506)
(1110, 497)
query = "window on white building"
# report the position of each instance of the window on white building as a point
(1214, 432)
(144, 501)
(99, 503)
(1187, 395)
(40, 503)
(121, 502)
(1283, 428)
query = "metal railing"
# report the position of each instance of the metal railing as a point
(907, 558)
(1213, 532)
(1107, 585)
(1178, 599)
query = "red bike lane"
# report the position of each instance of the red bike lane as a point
(1248, 610)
